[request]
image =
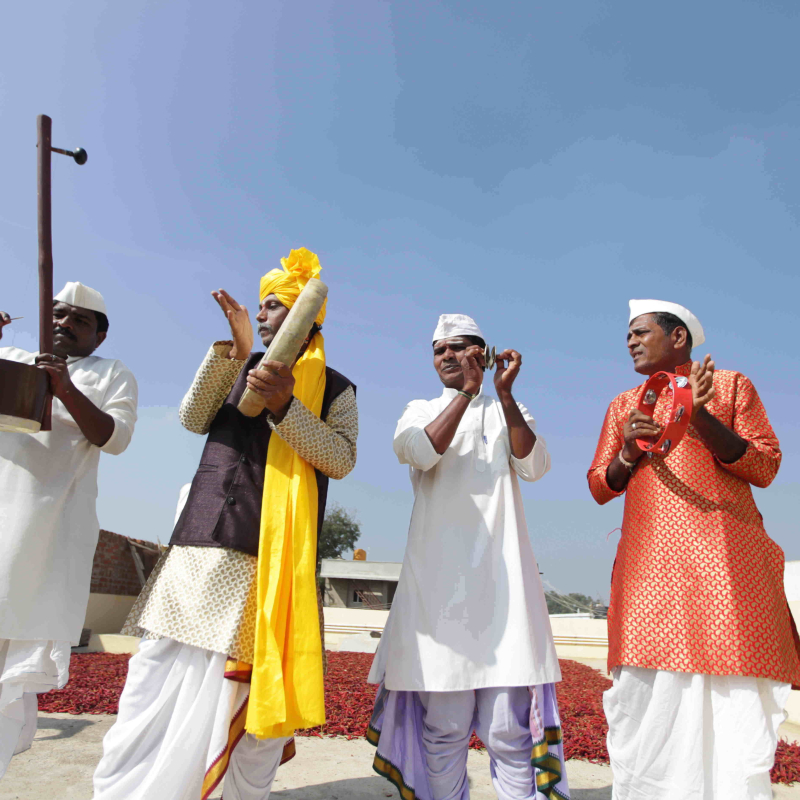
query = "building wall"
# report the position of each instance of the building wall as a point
(113, 570)
(340, 592)
(335, 593)
(106, 613)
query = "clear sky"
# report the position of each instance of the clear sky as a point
(533, 165)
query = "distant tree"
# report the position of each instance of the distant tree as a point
(340, 532)
(568, 604)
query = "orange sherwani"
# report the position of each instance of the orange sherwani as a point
(697, 584)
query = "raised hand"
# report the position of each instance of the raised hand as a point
(274, 382)
(701, 379)
(507, 368)
(471, 361)
(5, 319)
(239, 320)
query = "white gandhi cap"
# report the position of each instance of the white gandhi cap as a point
(639, 307)
(456, 325)
(76, 294)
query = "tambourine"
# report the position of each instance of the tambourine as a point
(680, 414)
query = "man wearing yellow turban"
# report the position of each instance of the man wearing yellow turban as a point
(231, 660)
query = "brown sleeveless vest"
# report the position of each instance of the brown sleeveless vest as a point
(224, 504)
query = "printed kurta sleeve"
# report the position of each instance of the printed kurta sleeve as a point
(760, 462)
(328, 445)
(608, 447)
(211, 385)
(537, 462)
(411, 444)
(120, 402)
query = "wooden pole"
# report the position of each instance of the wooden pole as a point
(44, 127)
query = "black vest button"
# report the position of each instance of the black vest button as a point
(243, 459)
(231, 501)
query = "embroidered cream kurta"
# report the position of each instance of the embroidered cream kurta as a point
(48, 492)
(469, 611)
(206, 596)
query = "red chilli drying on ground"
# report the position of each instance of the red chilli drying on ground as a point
(96, 681)
(95, 684)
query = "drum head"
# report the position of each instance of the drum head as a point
(19, 424)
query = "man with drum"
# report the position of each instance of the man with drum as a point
(702, 647)
(48, 521)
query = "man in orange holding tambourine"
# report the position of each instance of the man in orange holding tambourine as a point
(702, 647)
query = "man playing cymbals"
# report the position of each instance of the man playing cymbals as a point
(468, 644)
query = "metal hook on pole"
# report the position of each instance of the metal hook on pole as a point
(79, 154)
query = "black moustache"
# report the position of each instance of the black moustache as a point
(64, 332)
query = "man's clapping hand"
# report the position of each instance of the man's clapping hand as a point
(701, 379)
(239, 320)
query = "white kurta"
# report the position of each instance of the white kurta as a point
(469, 611)
(48, 492)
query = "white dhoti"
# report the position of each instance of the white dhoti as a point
(27, 668)
(180, 730)
(697, 737)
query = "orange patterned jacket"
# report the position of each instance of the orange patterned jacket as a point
(697, 585)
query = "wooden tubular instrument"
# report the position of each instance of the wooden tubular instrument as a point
(25, 398)
(289, 338)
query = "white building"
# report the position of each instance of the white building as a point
(359, 584)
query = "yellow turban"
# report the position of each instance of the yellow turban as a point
(298, 269)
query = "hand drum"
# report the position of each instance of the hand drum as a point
(24, 392)
(680, 412)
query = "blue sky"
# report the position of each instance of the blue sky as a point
(531, 164)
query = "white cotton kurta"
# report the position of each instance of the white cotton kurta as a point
(469, 612)
(48, 493)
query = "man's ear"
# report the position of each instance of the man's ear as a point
(679, 338)
(101, 337)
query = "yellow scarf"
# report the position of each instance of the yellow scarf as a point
(286, 692)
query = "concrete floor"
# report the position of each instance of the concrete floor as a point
(67, 748)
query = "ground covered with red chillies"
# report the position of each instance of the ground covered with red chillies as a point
(95, 684)
(96, 681)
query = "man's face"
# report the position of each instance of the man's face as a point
(446, 363)
(653, 350)
(75, 331)
(270, 317)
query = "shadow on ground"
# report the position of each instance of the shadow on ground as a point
(600, 793)
(339, 790)
(376, 787)
(62, 728)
